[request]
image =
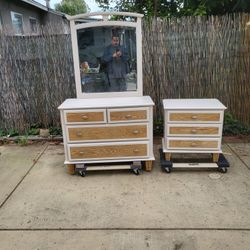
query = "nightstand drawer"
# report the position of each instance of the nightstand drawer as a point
(111, 132)
(108, 151)
(86, 116)
(127, 115)
(188, 130)
(194, 117)
(186, 143)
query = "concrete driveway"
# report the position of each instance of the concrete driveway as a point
(42, 207)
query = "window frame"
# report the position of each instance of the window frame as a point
(12, 14)
(34, 19)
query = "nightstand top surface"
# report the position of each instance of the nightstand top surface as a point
(199, 104)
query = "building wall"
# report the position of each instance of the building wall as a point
(27, 11)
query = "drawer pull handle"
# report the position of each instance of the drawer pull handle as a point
(194, 131)
(136, 132)
(81, 152)
(136, 150)
(79, 133)
(128, 116)
(85, 117)
(194, 117)
(193, 144)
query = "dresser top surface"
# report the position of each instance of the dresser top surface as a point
(107, 102)
(186, 104)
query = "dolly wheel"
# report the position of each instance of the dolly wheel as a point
(136, 171)
(82, 173)
(223, 170)
(167, 170)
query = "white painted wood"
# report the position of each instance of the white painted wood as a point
(107, 125)
(198, 104)
(206, 106)
(85, 15)
(97, 103)
(74, 26)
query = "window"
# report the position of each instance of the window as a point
(33, 25)
(17, 22)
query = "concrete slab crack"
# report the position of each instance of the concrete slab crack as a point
(34, 163)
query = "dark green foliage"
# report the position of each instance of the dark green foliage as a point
(158, 127)
(72, 7)
(55, 131)
(163, 8)
(234, 127)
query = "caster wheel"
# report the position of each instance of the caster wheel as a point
(223, 170)
(167, 170)
(136, 171)
(82, 173)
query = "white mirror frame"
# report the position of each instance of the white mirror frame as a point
(105, 22)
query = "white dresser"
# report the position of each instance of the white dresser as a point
(107, 130)
(193, 126)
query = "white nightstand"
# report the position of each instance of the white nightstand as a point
(193, 126)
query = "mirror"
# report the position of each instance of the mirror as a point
(107, 59)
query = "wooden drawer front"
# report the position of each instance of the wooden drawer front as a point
(128, 115)
(201, 144)
(210, 131)
(111, 151)
(86, 117)
(107, 132)
(194, 117)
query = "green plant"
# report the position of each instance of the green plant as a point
(234, 127)
(2, 133)
(158, 127)
(12, 132)
(22, 140)
(55, 131)
(33, 131)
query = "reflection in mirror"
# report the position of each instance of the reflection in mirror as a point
(107, 57)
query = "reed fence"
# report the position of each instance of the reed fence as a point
(189, 57)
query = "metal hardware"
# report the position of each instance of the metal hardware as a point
(85, 117)
(128, 116)
(78, 133)
(136, 132)
(194, 117)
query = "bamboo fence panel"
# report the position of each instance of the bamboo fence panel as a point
(199, 57)
(188, 57)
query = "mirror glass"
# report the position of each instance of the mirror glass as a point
(107, 58)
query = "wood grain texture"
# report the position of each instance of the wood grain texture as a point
(85, 117)
(215, 157)
(88, 152)
(193, 144)
(71, 169)
(194, 130)
(194, 117)
(109, 132)
(148, 165)
(131, 115)
(167, 156)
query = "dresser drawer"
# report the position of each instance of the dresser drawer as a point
(85, 116)
(108, 151)
(192, 130)
(194, 116)
(111, 132)
(192, 144)
(127, 115)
